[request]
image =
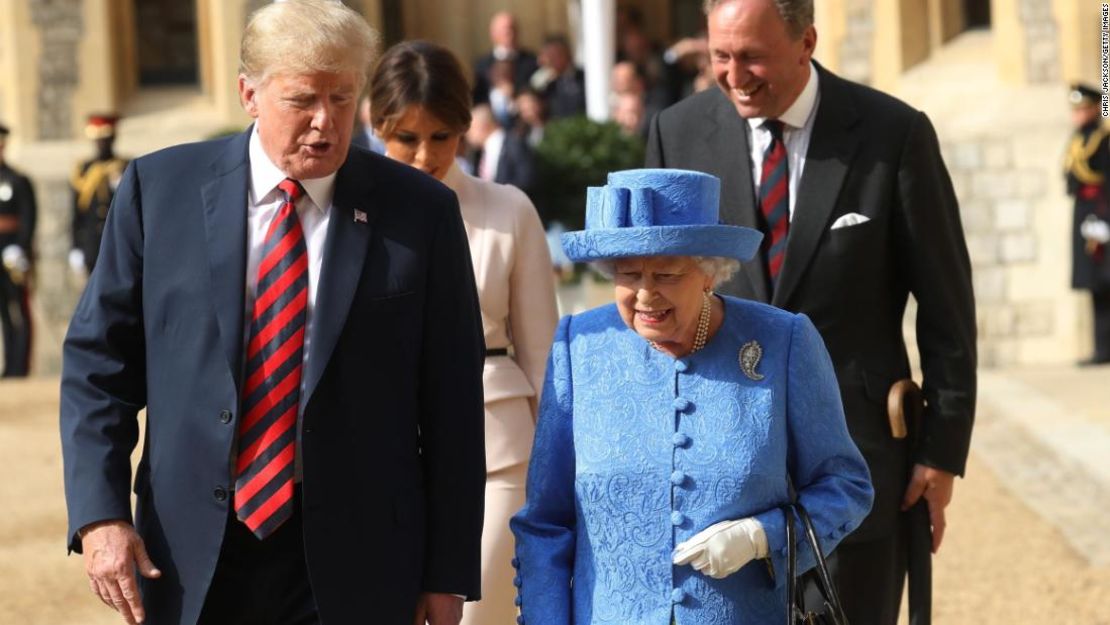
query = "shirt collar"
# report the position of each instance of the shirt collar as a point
(799, 113)
(265, 177)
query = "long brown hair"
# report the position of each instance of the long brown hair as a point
(423, 74)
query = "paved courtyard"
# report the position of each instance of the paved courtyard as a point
(1005, 560)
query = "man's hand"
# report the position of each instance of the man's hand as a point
(936, 486)
(113, 550)
(437, 608)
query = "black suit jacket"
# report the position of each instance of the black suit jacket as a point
(874, 155)
(517, 163)
(392, 426)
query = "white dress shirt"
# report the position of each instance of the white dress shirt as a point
(313, 209)
(797, 130)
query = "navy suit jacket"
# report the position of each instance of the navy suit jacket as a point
(392, 425)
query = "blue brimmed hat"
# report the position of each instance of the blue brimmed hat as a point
(658, 212)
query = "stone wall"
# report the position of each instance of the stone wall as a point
(999, 197)
(856, 46)
(1042, 45)
(60, 24)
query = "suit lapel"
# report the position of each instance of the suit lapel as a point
(728, 142)
(344, 257)
(831, 149)
(225, 225)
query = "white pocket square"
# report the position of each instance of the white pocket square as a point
(851, 219)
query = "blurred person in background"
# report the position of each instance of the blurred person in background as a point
(858, 212)
(531, 117)
(94, 185)
(562, 84)
(502, 94)
(1087, 167)
(504, 34)
(422, 108)
(688, 60)
(275, 300)
(499, 155)
(628, 113)
(627, 85)
(18, 213)
(364, 135)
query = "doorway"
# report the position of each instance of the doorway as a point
(978, 13)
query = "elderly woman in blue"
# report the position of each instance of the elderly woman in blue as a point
(672, 425)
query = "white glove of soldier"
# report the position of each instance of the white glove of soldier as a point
(722, 548)
(77, 262)
(15, 259)
(1094, 229)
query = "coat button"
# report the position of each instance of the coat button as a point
(517, 601)
(677, 478)
(225, 416)
(516, 563)
(520, 620)
(681, 366)
(516, 581)
(680, 439)
(678, 595)
(677, 518)
(681, 404)
(220, 494)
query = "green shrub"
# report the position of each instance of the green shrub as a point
(577, 153)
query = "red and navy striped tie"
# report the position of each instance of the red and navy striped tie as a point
(272, 390)
(774, 200)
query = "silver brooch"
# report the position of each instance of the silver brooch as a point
(750, 355)
(5, 192)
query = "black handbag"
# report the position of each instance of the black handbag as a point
(821, 605)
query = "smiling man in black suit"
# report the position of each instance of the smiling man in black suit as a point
(858, 212)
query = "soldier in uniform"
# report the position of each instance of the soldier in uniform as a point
(17, 231)
(1087, 167)
(94, 184)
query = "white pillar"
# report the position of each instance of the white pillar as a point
(599, 37)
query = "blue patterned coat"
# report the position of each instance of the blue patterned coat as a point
(636, 452)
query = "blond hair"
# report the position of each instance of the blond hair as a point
(306, 36)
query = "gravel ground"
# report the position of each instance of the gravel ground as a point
(1000, 564)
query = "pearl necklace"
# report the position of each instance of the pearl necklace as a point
(701, 334)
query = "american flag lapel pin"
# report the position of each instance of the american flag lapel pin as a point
(360, 216)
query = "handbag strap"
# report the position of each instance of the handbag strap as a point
(791, 566)
(823, 575)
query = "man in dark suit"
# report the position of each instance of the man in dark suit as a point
(858, 212)
(18, 213)
(504, 35)
(500, 155)
(562, 84)
(1086, 168)
(309, 357)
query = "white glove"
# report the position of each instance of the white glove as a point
(77, 261)
(15, 259)
(722, 548)
(1094, 229)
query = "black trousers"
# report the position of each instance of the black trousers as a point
(1101, 300)
(261, 582)
(870, 576)
(15, 326)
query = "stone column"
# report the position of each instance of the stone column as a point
(599, 34)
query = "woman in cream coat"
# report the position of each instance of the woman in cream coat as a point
(421, 107)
